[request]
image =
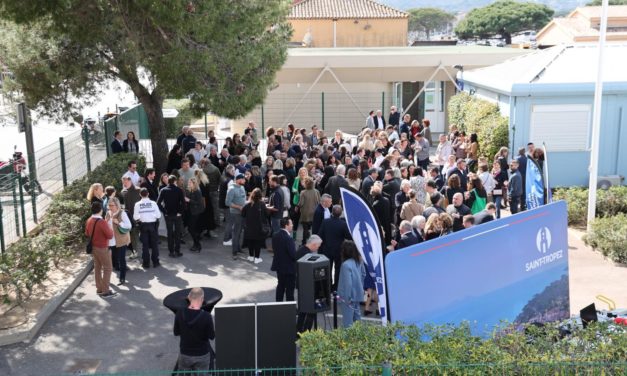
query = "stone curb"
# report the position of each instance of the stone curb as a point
(25, 333)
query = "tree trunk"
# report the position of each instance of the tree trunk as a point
(153, 105)
(508, 38)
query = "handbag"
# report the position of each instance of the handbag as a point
(90, 247)
(266, 230)
(497, 192)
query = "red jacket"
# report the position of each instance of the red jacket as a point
(102, 232)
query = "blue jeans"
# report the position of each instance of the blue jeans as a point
(350, 313)
(276, 224)
(120, 253)
(497, 202)
(228, 225)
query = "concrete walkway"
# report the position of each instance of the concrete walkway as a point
(133, 331)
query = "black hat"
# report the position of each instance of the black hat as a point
(240, 176)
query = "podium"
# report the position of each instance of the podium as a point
(314, 283)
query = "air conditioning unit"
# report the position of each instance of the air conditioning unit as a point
(604, 182)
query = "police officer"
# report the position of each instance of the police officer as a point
(147, 213)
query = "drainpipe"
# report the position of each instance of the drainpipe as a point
(334, 32)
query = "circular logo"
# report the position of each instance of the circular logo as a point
(543, 240)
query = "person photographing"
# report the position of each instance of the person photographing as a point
(195, 327)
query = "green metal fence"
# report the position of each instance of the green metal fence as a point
(23, 203)
(556, 368)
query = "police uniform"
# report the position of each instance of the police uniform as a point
(147, 213)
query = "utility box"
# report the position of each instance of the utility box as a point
(314, 283)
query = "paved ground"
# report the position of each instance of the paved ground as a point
(133, 330)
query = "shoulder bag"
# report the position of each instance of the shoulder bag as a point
(90, 247)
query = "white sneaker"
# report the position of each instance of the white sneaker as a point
(229, 243)
(251, 258)
(258, 261)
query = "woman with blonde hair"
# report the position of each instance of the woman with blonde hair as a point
(433, 227)
(207, 221)
(195, 207)
(366, 143)
(120, 224)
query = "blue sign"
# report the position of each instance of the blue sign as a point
(534, 185)
(366, 232)
(514, 269)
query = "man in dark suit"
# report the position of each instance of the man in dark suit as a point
(335, 183)
(408, 238)
(284, 261)
(379, 120)
(460, 170)
(116, 144)
(391, 187)
(322, 212)
(486, 215)
(333, 233)
(368, 182)
(458, 210)
(312, 138)
(521, 158)
(394, 117)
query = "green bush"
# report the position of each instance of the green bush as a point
(473, 115)
(609, 236)
(454, 350)
(27, 262)
(609, 202)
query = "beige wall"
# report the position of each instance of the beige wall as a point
(340, 112)
(364, 33)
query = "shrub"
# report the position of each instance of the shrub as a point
(27, 262)
(454, 350)
(609, 236)
(609, 202)
(473, 115)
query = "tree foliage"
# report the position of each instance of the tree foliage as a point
(222, 55)
(503, 17)
(610, 2)
(428, 20)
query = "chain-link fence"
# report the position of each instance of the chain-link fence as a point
(25, 197)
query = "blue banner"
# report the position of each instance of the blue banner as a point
(534, 184)
(513, 269)
(366, 231)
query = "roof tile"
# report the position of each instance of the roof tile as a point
(325, 9)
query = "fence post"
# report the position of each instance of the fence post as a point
(322, 110)
(15, 210)
(1, 228)
(263, 122)
(383, 102)
(206, 127)
(106, 141)
(23, 210)
(63, 167)
(33, 198)
(86, 138)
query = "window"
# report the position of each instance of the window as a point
(562, 127)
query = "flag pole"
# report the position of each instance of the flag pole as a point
(596, 120)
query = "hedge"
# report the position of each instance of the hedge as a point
(609, 202)
(454, 350)
(474, 115)
(26, 263)
(609, 236)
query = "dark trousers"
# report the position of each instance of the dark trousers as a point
(337, 264)
(306, 231)
(120, 259)
(424, 164)
(305, 322)
(285, 287)
(150, 241)
(254, 246)
(173, 225)
(193, 226)
(514, 204)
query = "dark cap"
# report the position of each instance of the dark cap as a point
(239, 176)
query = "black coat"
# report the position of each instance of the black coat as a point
(125, 146)
(116, 147)
(284, 260)
(333, 188)
(483, 217)
(463, 178)
(318, 217)
(391, 188)
(333, 233)
(254, 216)
(381, 207)
(408, 239)
(153, 190)
(394, 118)
(462, 210)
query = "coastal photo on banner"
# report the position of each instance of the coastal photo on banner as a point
(514, 269)
(366, 231)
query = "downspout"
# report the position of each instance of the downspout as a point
(334, 32)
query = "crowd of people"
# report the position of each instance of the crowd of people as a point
(262, 198)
